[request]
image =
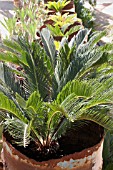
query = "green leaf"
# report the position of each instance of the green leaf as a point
(81, 89)
(20, 101)
(19, 131)
(55, 30)
(81, 36)
(73, 30)
(13, 45)
(58, 6)
(49, 45)
(9, 106)
(34, 101)
(109, 166)
(8, 57)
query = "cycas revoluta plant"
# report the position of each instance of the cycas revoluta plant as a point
(60, 88)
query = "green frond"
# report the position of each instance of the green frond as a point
(82, 58)
(14, 53)
(96, 37)
(12, 82)
(19, 131)
(8, 57)
(25, 117)
(9, 106)
(49, 46)
(9, 25)
(98, 115)
(21, 101)
(82, 36)
(43, 74)
(88, 60)
(81, 89)
(23, 41)
(55, 121)
(36, 111)
(88, 101)
(74, 94)
(13, 45)
(34, 102)
(30, 57)
(96, 107)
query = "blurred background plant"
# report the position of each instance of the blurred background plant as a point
(92, 2)
(62, 20)
(57, 6)
(64, 25)
(85, 13)
(27, 19)
(108, 152)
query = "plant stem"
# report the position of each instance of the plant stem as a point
(58, 127)
(39, 138)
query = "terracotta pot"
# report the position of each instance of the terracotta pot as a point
(87, 159)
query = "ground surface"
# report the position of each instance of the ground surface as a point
(6, 8)
(104, 17)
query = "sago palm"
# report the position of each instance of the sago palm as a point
(60, 88)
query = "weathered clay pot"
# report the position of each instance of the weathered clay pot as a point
(87, 159)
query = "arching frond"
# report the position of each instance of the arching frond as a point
(34, 61)
(98, 115)
(13, 45)
(49, 46)
(8, 105)
(82, 58)
(13, 82)
(82, 36)
(19, 131)
(81, 89)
